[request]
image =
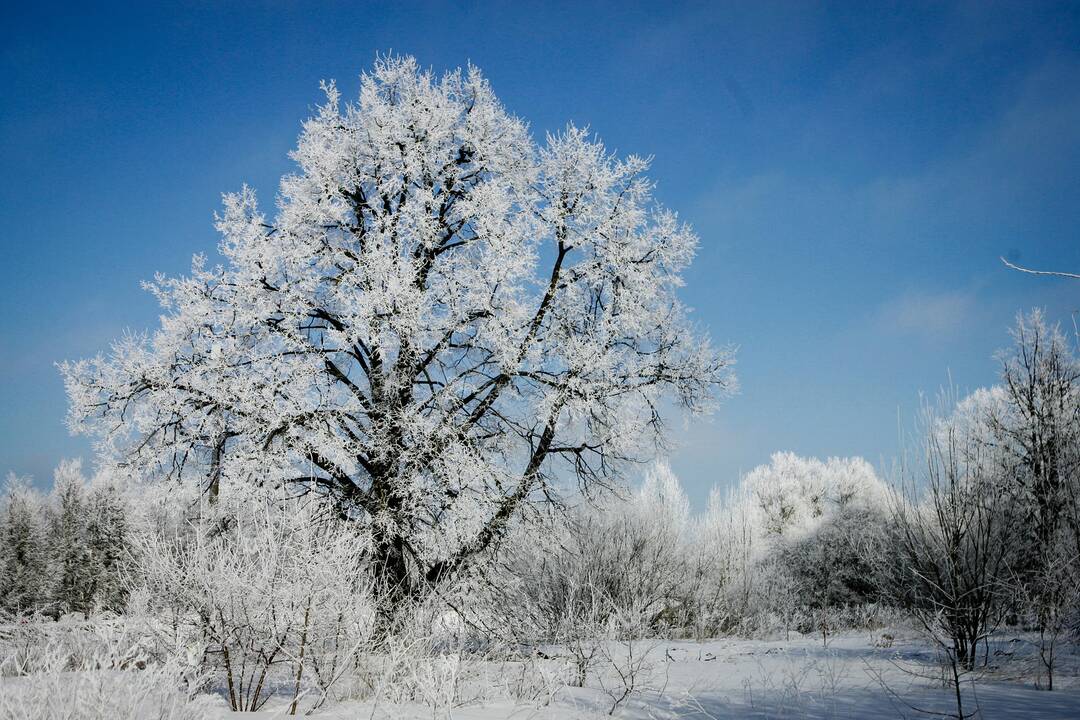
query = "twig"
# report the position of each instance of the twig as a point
(1054, 273)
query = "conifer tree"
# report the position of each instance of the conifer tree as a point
(71, 574)
(22, 556)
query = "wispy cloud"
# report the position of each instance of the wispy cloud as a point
(929, 314)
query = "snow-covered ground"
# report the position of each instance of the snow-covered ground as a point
(798, 678)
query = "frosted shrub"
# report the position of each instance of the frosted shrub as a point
(90, 671)
(271, 595)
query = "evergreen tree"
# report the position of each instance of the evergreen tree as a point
(69, 555)
(107, 540)
(22, 555)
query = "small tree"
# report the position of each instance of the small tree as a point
(268, 592)
(728, 546)
(72, 572)
(23, 581)
(952, 538)
(108, 538)
(1051, 598)
(833, 566)
(1037, 429)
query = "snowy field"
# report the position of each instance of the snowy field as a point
(732, 678)
(854, 677)
(781, 679)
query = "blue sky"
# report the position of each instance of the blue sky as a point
(854, 170)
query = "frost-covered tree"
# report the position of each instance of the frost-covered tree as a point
(833, 566)
(108, 540)
(953, 538)
(728, 547)
(23, 558)
(648, 553)
(1039, 427)
(792, 495)
(63, 553)
(974, 424)
(794, 534)
(1024, 434)
(442, 322)
(71, 570)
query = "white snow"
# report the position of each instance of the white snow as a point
(733, 678)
